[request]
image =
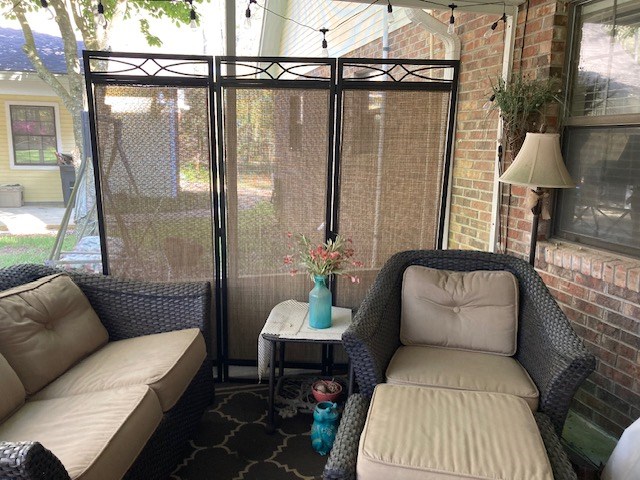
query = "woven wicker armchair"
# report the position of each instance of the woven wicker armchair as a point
(548, 349)
(128, 309)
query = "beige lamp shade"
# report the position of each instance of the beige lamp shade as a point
(539, 163)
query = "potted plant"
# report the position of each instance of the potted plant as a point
(523, 103)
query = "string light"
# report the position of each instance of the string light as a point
(451, 29)
(192, 15)
(247, 14)
(488, 103)
(48, 9)
(390, 16)
(325, 45)
(494, 25)
(100, 19)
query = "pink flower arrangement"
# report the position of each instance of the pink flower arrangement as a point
(334, 257)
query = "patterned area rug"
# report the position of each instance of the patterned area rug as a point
(232, 444)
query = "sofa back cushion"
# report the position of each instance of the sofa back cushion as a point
(45, 327)
(475, 311)
(13, 393)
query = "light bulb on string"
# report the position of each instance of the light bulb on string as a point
(247, 15)
(390, 16)
(494, 25)
(451, 29)
(487, 105)
(100, 18)
(325, 45)
(50, 13)
(491, 29)
(192, 15)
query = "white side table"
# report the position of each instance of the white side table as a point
(288, 322)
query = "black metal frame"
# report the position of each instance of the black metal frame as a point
(163, 70)
(231, 79)
(105, 76)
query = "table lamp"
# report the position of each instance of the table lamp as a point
(538, 165)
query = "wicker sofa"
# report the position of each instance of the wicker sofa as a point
(141, 319)
(552, 355)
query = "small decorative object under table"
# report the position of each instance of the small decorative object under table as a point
(288, 322)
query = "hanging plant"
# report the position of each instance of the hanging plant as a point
(522, 103)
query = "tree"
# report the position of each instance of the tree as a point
(82, 17)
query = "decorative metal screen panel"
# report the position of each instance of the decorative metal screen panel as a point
(313, 146)
(153, 163)
(393, 154)
(276, 166)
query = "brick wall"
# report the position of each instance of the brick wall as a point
(476, 131)
(598, 291)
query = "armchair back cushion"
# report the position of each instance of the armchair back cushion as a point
(475, 310)
(46, 326)
(13, 393)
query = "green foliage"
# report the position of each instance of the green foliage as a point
(16, 249)
(177, 11)
(522, 103)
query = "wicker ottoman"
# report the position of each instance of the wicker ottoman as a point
(429, 433)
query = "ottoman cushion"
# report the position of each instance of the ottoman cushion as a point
(429, 433)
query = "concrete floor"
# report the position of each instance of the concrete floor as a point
(32, 219)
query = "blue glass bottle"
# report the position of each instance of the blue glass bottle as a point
(320, 303)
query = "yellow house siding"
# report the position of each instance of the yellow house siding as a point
(40, 184)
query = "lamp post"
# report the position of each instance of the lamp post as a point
(538, 165)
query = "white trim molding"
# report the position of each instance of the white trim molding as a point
(56, 119)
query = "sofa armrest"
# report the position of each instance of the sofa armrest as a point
(550, 350)
(374, 334)
(560, 464)
(29, 461)
(132, 308)
(341, 464)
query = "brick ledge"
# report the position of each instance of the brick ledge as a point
(616, 269)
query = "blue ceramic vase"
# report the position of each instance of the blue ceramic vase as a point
(320, 303)
(325, 426)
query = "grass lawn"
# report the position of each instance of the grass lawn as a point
(16, 249)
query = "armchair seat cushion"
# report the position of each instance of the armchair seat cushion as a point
(461, 370)
(439, 434)
(96, 435)
(166, 362)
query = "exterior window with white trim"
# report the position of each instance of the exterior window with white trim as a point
(602, 134)
(33, 135)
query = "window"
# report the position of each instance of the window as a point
(34, 136)
(602, 137)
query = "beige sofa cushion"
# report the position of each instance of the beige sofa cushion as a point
(465, 310)
(95, 435)
(461, 370)
(13, 394)
(415, 433)
(166, 362)
(45, 327)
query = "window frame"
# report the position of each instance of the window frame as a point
(56, 120)
(586, 122)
